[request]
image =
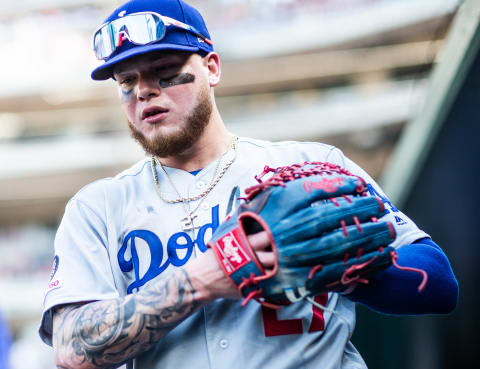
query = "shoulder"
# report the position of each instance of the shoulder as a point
(98, 191)
(135, 171)
(290, 151)
(253, 143)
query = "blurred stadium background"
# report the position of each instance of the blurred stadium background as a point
(393, 83)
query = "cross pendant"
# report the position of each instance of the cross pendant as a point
(187, 222)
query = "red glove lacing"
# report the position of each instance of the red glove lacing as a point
(289, 173)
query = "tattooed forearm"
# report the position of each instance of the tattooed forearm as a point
(105, 334)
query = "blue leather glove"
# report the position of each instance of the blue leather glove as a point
(324, 230)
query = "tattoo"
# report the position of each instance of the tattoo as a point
(179, 79)
(104, 334)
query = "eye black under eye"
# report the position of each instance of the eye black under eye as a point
(177, 79)
(168, 82)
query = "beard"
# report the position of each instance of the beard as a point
(176, 143)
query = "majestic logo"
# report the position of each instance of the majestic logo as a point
(399, 220)
(180, 242)
(384, 200)
(326, 184)
(56, 260)
(53, 284)
(233, 255)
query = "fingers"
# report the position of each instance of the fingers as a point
(259, 241)
(260, 244)
(266, 258)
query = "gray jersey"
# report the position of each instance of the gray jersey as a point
(117, 234)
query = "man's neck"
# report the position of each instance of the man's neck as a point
(213, 143)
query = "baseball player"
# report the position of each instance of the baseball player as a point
(134, 281)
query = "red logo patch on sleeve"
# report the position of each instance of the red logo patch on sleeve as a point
(232, 251)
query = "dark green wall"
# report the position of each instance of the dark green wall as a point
(445, 202)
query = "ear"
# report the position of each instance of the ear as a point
(212, 62)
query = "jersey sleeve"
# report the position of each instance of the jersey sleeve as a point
(407, 231)
(81, 270)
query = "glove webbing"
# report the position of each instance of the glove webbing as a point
(289, 173)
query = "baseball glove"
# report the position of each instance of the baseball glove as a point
(324, 231)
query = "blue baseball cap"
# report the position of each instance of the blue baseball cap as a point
(175, 38)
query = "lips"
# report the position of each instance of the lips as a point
(154, 114)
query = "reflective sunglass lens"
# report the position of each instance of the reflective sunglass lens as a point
(139, 28)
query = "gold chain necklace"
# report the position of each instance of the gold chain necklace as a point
(187, 222)
(215, 180)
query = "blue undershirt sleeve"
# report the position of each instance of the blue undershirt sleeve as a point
(395, 291)
(5, 342)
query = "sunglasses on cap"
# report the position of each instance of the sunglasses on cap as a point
(139, 28)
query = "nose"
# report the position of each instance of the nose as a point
(147, 88)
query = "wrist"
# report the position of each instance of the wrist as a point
(200, 291)
(209, 280)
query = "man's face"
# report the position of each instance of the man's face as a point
(166, 99)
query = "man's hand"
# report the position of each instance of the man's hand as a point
(209, 280)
